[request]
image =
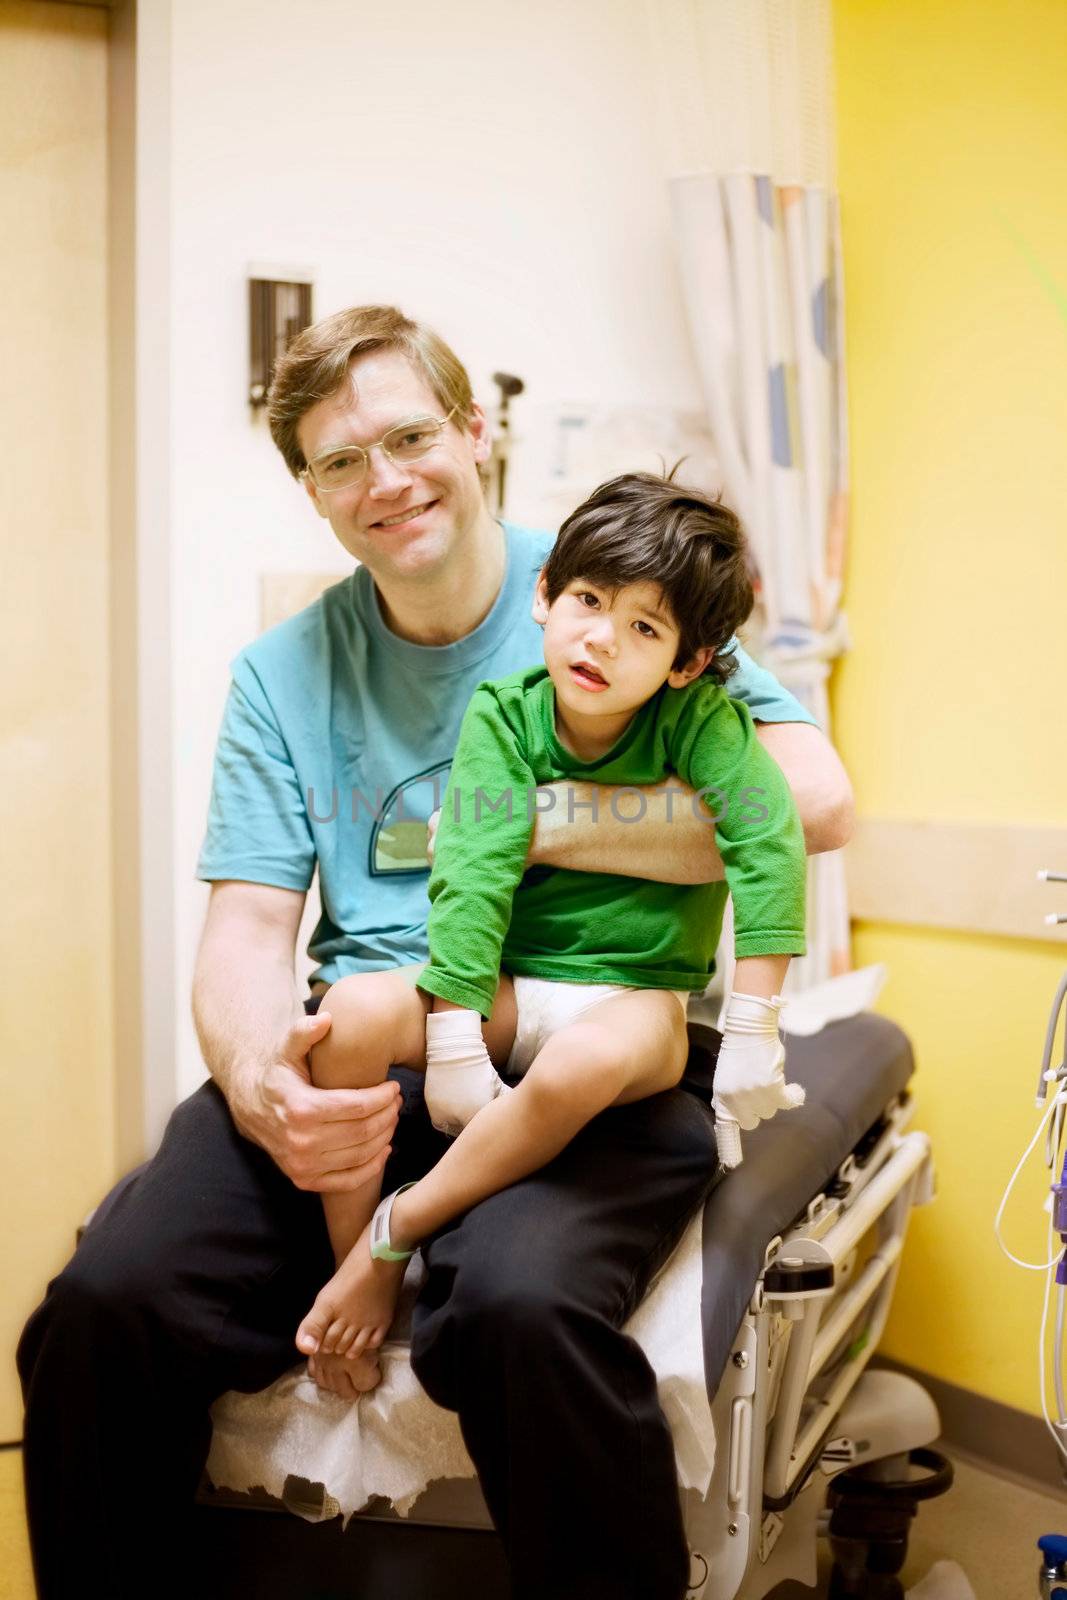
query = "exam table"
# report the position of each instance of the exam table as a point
(781, 1429)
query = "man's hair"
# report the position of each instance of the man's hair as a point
(316, 366)
(639, 528)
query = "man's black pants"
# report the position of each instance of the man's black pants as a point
(192, 1279)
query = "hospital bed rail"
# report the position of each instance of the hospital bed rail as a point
(796, 1404)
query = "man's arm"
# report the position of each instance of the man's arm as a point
(815, 773)
(255, 1041)
(674, 842)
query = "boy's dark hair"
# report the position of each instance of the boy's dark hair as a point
(639, 528)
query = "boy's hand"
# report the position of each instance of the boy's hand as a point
(750, 1081)
(326, 1140)
(460, 1076)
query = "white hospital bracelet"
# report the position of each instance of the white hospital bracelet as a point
(381, 1248)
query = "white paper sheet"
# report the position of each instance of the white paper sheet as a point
(395, 1441)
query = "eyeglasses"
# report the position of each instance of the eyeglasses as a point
(341, 469)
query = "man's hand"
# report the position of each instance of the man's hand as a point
(431, 833)
(326, 1140)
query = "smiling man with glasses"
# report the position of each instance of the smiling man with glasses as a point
(193, 1278)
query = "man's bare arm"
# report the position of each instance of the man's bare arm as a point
(256, 1039)
(671, 842)
(815, 773)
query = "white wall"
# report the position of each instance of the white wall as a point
(494, 170)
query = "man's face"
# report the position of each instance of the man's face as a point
(400, 521)
(606, 651)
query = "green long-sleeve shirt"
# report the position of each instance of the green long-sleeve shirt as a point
(488, 911)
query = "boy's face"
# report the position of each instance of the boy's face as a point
(608, 651)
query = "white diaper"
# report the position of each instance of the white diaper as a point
(544, 1006)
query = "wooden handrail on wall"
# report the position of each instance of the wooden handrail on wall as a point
(970, 876)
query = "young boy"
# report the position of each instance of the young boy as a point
(644, 587)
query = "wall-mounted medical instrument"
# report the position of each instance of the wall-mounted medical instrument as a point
(279, 307)
(509, 386)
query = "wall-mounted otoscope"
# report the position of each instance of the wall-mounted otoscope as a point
(509, 386)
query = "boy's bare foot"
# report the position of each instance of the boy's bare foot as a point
(348, 1379)
(352, 1313)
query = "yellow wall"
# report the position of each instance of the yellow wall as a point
(952, 126)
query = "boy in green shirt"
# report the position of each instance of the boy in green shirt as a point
(581, 978)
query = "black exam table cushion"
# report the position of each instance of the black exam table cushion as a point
(851, 1071)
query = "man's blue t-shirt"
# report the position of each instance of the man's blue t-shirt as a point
(335, 748)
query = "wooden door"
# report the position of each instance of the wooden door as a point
(56, 1010)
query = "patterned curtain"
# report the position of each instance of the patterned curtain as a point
(761, 270)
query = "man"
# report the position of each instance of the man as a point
(191, 1281)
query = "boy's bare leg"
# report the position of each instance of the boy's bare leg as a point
(626, 1048)
(378, 1022)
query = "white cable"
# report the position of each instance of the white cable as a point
(1054, 1137)
(1061, 1446)
(1029, 1266)
(1056, 1111)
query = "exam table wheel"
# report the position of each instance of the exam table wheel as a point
(871, 1512)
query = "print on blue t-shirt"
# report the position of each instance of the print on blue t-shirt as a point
(398, 841)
